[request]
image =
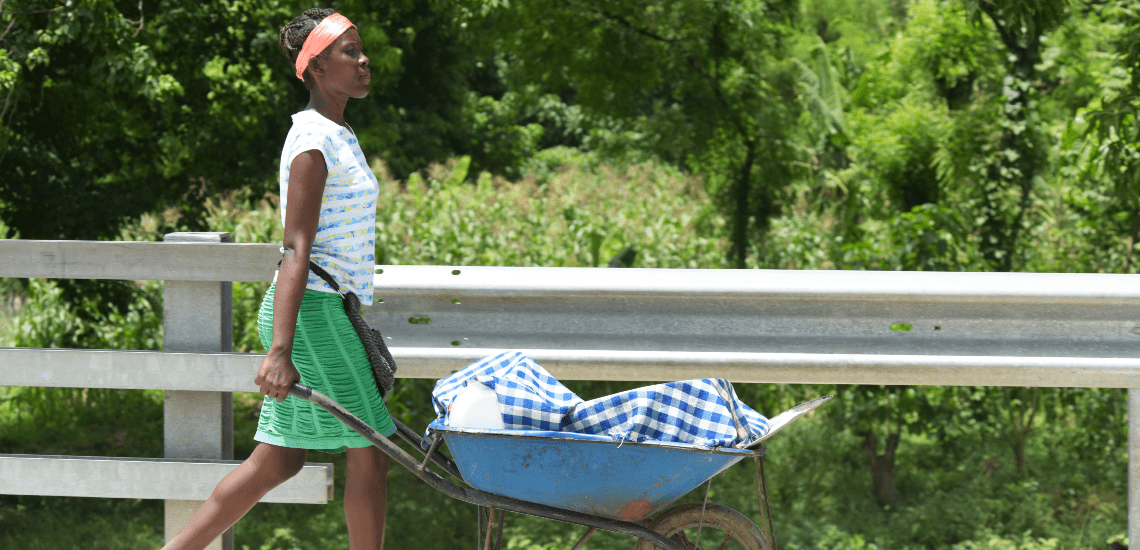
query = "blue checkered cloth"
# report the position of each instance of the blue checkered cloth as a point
(529, 398)
(704, 412)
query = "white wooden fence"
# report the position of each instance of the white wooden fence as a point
(765, 326)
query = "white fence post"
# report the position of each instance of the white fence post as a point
(198, 317)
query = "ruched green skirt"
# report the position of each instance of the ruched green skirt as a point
(328, 354)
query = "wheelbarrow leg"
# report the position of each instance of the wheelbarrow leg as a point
(582, 540)
(490, 528)
(499, 537)
(494, 529)
(762, 481)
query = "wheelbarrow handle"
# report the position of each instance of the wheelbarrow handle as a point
(300, 390)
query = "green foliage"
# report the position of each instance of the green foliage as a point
(582, 215)
(1019, 21)
(950, 50)
(796, 242)
(1022, 150)
(947, 170)
(855, 26)
(118, 110)
(50, 321)
(824, 97)
(1116, 132)
(248, 220)
(124, 109)
(930, 238)
(699, 83)
(992, 541)
(965, 135)
(901, 150)
(80, 523)
(427, 51)
(102, 422)
(496, 139)
(950, 492)
(1102, 406)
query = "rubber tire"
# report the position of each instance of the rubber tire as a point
(717, 518)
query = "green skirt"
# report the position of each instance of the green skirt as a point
(328, 354)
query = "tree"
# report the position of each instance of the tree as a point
(699, 83)
(904, 209)
(110, 110)
(1021, 152)
(1115, 133)
(880, 415)
(121, 108)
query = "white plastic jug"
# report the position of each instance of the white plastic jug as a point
(476, 406)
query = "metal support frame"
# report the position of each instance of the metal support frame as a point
(198, 317)
(1134, 468)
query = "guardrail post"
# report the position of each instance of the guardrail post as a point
(197, 316)
(1134, 468)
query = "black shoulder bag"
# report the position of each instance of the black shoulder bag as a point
(383, 366)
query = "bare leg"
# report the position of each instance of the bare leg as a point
(366, 498)
(268, 467)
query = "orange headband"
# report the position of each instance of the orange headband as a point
(326, 33)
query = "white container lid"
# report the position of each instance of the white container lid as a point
(477, 406)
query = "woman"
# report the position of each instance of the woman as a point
(328, 208)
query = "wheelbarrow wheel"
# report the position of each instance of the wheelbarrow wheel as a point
(722, 528)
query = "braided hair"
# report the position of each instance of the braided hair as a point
(294, 33)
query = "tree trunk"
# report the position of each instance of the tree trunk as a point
(741, 193)
(1001, 230)
(882, 467)
(1132, 242)
(1021, 418)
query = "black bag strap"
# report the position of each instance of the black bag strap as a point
(320, 273)
(383, 365)
(324, 275)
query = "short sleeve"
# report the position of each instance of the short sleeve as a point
(311, 140)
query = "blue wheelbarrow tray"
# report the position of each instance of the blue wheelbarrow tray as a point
(585, 473)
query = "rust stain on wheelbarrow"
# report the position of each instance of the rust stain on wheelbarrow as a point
(636, 510)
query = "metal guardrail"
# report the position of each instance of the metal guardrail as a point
(1004, 329)
(761, 311)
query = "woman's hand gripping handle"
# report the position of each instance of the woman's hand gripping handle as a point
(276, 375)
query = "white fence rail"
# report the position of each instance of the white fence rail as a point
(230, 372)
(150, 478)
(765, 326)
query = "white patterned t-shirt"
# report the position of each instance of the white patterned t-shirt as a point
(345, 244)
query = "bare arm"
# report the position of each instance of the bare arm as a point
(307, 176)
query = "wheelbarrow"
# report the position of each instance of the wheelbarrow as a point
(581, 479)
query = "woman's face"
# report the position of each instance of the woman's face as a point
(346, 67)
